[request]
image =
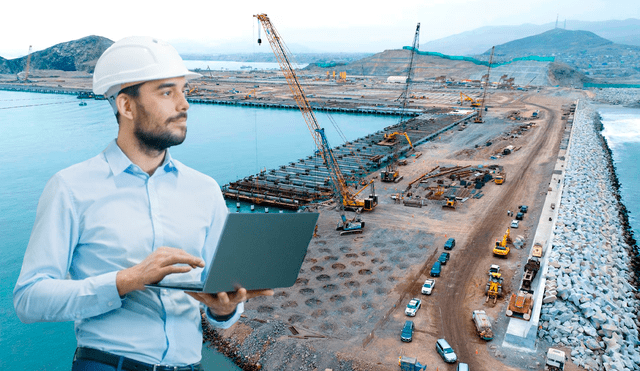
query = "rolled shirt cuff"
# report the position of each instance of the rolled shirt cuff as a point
(225, 321)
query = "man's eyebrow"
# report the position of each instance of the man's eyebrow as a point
(169, 85)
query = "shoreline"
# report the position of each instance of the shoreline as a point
(594, 309)
(622, 209)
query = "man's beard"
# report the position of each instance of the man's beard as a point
(156, 140)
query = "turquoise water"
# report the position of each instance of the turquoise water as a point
(43, 133)
(622, 130)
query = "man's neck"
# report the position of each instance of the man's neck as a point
(147, 159)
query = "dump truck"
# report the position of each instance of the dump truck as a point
(483, 324)
(499, 178)
(410, 364)
(555, 360)
(530, 270)
(537, 250)
(520, 305)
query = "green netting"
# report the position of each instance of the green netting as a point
(594, 85)
(479, 62)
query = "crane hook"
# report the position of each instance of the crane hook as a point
(259, 39)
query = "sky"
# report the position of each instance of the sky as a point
(317, 26)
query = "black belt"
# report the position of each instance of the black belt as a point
(128, 364)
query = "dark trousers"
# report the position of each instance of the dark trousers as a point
(85, 365)
(87, 359)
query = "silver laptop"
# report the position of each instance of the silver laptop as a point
(255, 251)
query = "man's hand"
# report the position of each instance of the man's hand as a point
(155, 267)
(222, 303)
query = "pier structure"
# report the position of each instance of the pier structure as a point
(307, 180)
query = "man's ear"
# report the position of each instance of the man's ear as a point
(125, 106)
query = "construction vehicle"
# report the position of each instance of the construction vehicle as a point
(483, 324)
(410, 364)
(450, 202)
(390, 139)
(493, 289)
(191, 90)
(536, 250)
(350, 226)
(530, 270)
(501, 248)
(474, 102)
(342, 194)
(391, 173)
(499, 178)
(478, 118)
(555, 360)
(250, 94)
(520, 305)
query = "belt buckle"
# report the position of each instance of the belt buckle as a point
(155, 367)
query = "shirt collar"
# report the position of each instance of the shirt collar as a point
(119, 162)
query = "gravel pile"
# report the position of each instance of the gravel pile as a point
(624, 97)
(590, 305)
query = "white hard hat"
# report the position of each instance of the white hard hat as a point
(137, 59)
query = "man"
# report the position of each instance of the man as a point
(128, 217)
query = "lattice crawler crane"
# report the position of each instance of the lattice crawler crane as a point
(343, 195)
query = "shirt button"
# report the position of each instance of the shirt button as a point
(164, 292)
(110, 303)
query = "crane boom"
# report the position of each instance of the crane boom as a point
(283, 55)
(391, 173)
(478, 118)
(404, 97)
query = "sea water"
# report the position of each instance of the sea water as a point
(44, 133)
(622, 131)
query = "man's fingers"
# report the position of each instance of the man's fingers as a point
(256, 293)
(223, 297)
(172, 255)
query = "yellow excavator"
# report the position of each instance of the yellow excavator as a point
(501, 247)
(474, 102)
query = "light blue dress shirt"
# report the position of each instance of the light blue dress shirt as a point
(106, 214)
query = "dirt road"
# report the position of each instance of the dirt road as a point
(522, 187)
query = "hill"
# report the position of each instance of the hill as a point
(551, 43)
(601, 60)
(476, 41)
(76, 55)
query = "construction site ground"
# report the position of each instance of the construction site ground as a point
(347, 309)
(348, 304)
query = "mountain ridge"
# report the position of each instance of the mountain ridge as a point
(75, 55)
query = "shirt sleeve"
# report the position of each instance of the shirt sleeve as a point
(44, 292)
(228, 323)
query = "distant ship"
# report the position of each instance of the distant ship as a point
(245, 67)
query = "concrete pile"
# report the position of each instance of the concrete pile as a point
(589, 305)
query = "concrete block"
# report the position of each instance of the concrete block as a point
(549, 299)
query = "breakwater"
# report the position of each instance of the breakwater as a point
(369, 110)
(591, 304)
